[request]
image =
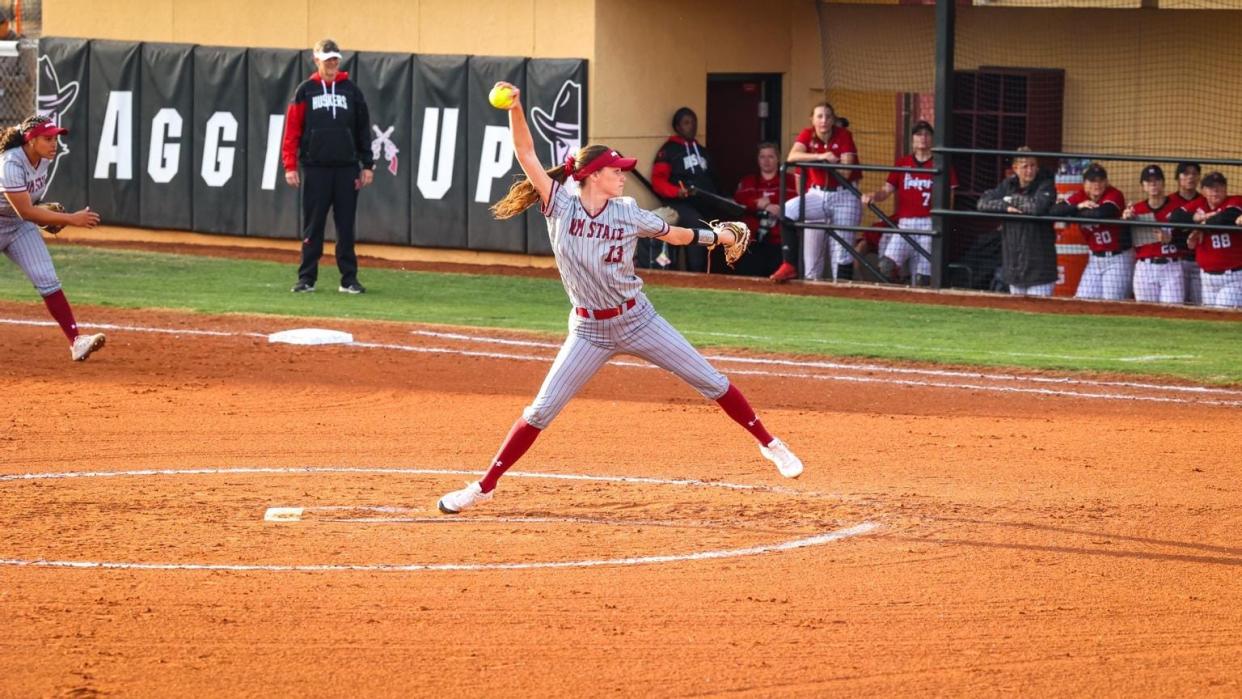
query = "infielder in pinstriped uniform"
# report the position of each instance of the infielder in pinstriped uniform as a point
(594, 234)
(27, 151)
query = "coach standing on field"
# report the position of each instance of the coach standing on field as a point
(327, 132)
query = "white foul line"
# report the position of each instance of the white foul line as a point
(852, 367)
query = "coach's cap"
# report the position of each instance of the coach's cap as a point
(1188, 166)
(921, 126)
(1213, 179)
(327, 48)
(1094, 173)
(44, 128)
(609, 158)
(1151, 172)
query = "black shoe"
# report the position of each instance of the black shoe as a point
(303, 287)
(352, 288)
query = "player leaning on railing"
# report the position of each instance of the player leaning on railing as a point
(1218, 252)
(28, 149)
(594, 232)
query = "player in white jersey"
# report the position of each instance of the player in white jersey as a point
(594, 234)
(26, 151)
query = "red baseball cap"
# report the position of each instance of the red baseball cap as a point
(47, 128)
(609, 158)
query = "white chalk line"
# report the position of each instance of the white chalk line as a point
(994, 353)
(804, 542)
(872, 368)
(136, 328)
(817, 540)
(393, 510)
(876, 368)
(642, 480)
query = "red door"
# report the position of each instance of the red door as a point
(734, 128)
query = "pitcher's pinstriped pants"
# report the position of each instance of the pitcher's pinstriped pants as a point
(639, 331)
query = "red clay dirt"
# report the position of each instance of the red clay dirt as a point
(1026, 540)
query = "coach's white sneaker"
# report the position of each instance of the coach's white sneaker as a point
(84, 345)
(786, 462)
(459, 500)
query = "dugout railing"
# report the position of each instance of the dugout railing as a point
(943, 215)
(801, 224)
(946, 214)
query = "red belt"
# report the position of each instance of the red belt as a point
(606, 313)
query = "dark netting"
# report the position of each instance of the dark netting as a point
(18, 60)
(1129, 83)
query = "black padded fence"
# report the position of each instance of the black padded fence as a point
(187, 137)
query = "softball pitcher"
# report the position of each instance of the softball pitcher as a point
(26, 151)
(594, 234)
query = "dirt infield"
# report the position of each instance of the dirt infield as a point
(954, 533)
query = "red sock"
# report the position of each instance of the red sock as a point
(58, 306)
(519, 440)
(736, 407)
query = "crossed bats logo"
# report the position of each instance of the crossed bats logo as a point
(382, 143)
(561, 128)
(54, 101)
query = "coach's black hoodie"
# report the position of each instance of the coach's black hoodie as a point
(327, 125)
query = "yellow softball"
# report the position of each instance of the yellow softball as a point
(501, 96)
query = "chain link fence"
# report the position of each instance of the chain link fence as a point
(19, 58)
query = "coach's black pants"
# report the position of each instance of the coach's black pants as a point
(326, 188)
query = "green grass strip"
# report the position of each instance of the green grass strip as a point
(1202, 351)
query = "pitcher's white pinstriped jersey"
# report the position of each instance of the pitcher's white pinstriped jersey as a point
(595, 254)
(18, 175)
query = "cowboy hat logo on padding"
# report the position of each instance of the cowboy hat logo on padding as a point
(562, 128)
(54, 100)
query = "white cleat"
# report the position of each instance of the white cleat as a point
(459, 500)
(84, 345)
(786, 462)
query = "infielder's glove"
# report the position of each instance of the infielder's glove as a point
(56, 207)
(741, 235)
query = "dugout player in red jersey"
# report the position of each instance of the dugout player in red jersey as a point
(1218, 252)
(759, 193)
(1158, 270)
(1188, 176)
(913, 208)
(826, 201)
(1110, 271)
